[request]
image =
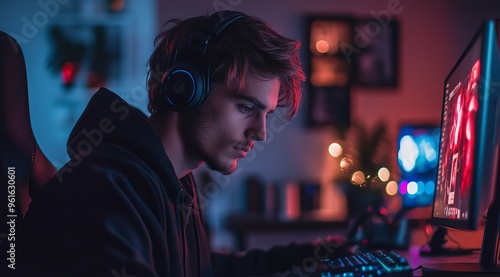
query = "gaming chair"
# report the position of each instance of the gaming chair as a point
(20, 156)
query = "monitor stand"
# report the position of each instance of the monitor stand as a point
(436, 246)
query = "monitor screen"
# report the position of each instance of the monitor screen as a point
(467, 189)
(417, 155)
(453, 194)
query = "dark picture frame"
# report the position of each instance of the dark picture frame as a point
(377, 47)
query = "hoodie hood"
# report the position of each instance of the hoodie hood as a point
(108, 119)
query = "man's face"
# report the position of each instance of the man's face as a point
(226, 126)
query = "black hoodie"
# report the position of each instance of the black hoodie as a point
(117, 207)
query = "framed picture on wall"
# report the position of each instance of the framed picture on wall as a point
(377, 60)
(327, 36)
(330, 70)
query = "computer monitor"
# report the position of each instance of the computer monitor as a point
(417, 155)
(467, 184)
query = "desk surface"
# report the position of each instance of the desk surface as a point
(415, 260)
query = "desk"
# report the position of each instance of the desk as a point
(415, 260)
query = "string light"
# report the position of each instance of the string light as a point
(384, 174)
(335, 150)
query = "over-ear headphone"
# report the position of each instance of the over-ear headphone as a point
(186, 83)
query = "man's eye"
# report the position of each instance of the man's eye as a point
(245, 109)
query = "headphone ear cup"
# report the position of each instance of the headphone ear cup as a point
(183, 87)
(186, 84)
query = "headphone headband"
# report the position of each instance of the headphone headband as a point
(219, 21)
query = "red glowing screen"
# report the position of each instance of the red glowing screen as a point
(457, 147)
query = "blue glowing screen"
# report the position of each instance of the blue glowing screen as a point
(417, 156)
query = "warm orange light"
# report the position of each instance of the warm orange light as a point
(322, 46)
(358, 178)
(346, 164)
(384, 174)
(391, 188)
(335, 150)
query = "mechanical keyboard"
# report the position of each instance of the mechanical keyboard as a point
(365, 263)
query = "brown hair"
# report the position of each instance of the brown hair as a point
(249, 44)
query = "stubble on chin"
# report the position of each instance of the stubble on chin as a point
(226, 169)
(192, 129)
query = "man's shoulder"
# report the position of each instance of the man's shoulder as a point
(107, 176)
(105, 161)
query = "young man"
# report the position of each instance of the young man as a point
(126, 204)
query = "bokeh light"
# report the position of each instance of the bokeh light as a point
(384, 174)
(420, 187)
(322, 46)
(335, 150)
(403, 187)
(391, 188)
(408, 153)
(412, 188)
(429, 187)
(346, 164)
(358, 178)
(429, 149)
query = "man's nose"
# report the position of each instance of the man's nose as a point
(258, 131)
